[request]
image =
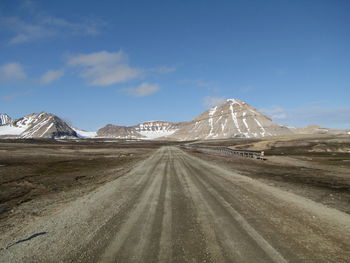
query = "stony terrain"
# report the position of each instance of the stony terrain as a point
(156, 129)
(38, 125)
(233, 118)
(145, 130)
(122, 132)
(137, 201)
(5, 119)
(314, 166)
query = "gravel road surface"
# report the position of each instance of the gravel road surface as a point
(174, 207)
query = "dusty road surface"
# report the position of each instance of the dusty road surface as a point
(173, 207)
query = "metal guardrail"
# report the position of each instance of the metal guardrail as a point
(227, 151)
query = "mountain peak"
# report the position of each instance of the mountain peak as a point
(5, 119)
(235, 101)
(234, 118)
(44, 125)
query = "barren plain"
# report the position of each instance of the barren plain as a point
(143, 201)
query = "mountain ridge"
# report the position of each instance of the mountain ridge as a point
(5, 119)
(231, 119)
(40, 125)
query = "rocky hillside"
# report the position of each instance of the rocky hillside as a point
(39, 125)
(119, 132)
(316, 129)
(145, 130)
(155, 129)
(5, 119)
(233, 118)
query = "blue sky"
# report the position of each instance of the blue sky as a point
(124, 62)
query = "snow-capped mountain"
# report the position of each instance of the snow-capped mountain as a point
(145, 130)
(5, 119)
(119, 132)
(39, 125)
(156, 129)
(234, 118)
(84, 134)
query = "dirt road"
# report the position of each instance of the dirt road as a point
(174, 207)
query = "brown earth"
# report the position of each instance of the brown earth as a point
(294, 165)
(38, 176)
(174, 207)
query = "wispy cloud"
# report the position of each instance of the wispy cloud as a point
(200, 83)
(15, 95)
(104, 68)
(320, 114)
(246, 88)
(213, 101)
(275, 112)
(142, 90)
(12, 71)
(162, 70)
(43, 25)
(51, 76)
(22, 31)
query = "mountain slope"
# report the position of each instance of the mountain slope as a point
(38, 125)
(316, 129)
(145, 130)
(155, 129)
(5, 119)
(233, 118)
(44, 125)
(119, 132)
(84, 134)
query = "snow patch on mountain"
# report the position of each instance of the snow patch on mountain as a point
(38, 125)
(156, 134)
(155, 129)
(10, 130)
(234, 118)
(84, 134)
(5, 119)
(210, 121)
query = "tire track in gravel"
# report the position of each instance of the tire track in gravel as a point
(242, 243)
(174, 207)
(143, 180)
(296, 233)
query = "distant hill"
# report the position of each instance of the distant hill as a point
(231, 119)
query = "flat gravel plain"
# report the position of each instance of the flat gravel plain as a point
(174, 207)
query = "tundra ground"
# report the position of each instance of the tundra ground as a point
(153, 202)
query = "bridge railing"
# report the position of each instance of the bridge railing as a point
(226, 151)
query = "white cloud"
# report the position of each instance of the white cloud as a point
(211, 86)
(43, 26)
(25, 32)
(104, 68)
(89, 27)
(50, 76)
(203, 84)
(12, 96)
(12, 71)
(142, 90)
(213, 101)
(275, 112)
